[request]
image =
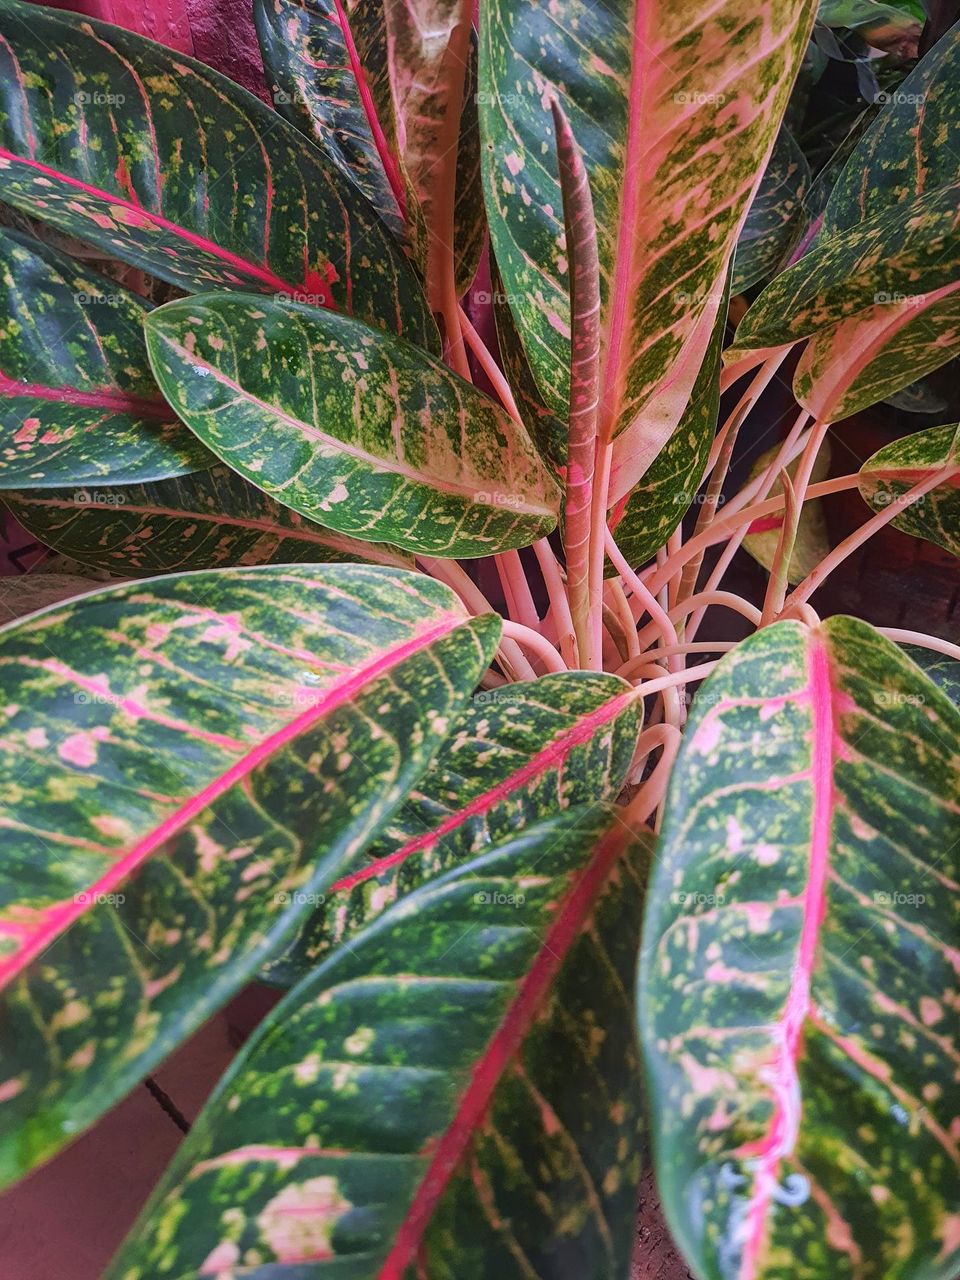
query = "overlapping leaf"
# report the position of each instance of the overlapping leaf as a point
(77, 398)
(798, 968)
(181, 759)
(812, 541)
(167, 165)
(209, 520)
(676, 110)
(771, 220)
(898, 316)
(456, 1094)
(887, 476)
(318, 55)
(357, 430)
(644, 520)
(942, 670)
(517, 755)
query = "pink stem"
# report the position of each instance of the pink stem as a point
(921, 638)
(536, 644)
(526, 609)
(488, 364)
(661, 619)
(866, 531)
(706, 598)
(559, 605)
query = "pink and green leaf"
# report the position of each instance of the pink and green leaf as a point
(799, 966)
(676, 111)
(516, 755)
(77, 399)
(184, 762)
(208, 520)
(773, 216)
(437, 1099)
(167, 165)
(350, 427)
(896, 468)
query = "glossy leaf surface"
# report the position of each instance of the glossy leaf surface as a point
(798, 972)
(675, 109)
(77, 398)
(180, 760)
(209, 520)
(776, 207)
(900, 465)
(364, 433)
(165, 164)
(438, 1097)
(516, 755)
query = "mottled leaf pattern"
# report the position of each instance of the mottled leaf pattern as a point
(676, 109)
(364, 433)
(183, 761)
(454, 1095)
(165, 164)
(776, 208)
(77, 398)
(518, 754)
(315, 53)
(209, 520)
(799, 966)
(943, 671)
(899, 466)
(645, 519)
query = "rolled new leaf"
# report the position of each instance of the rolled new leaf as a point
(77, 399)
(515, 755)
(799, 965)
(184, 762)
(209, 520)
(455, 1094)
(355, 429)
(676, 111)
(896, 468)
(167, 165)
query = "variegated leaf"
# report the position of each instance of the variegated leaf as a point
(887, 476)
(943, 671)
(77, 398)
(181, 760)
(799, 966)
(165, 164)
(518, 754)
(812, 541)
(360, 431)
(676, 110)
(316, 53)
(644, 520)
(771, 221)
(208, 520)
(455, 1094)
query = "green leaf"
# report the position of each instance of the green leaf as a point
(315, 53)
(209, 520)
(77, 398)
(676, 111)
(165, 164)
(942, 670)
(893, 256)
(908, 149)
(797, 970)
(456, 1094)
(516, 755)
(771, 221)
(180, 759)
(645, 519)
(886, 476)
(352, 428)
(812, 540)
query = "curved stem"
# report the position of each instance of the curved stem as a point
(661, 618)
(921, 638)
(536, 644)
(484, 358)
(559, 604)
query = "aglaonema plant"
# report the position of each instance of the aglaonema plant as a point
(295, 739)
